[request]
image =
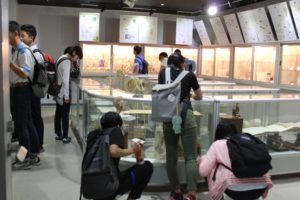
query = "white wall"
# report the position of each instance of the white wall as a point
(58, 26)
(13, 9)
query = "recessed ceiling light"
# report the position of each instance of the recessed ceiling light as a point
(162, 4)
(212, 10)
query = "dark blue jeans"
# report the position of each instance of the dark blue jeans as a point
(37, 118)
(62, 120)
(21, 112)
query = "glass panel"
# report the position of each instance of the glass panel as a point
(264, 64)
(151, 55)
(290, 70)
(222, 62)
(242, 62)
(207, 62)
(123, 59)
(97, 58)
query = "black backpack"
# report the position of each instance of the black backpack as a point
(145, 67)
(249, 156)
(99, 176)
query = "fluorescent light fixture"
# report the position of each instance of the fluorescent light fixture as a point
(89, 5)
(212, 10)
(162, 4)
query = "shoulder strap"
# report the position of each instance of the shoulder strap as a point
(168, 75)
(180, 76)
(59, 61)
(216, 169)
(36, 62)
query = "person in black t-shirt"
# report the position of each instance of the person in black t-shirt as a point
(134, 179)
(188, 134)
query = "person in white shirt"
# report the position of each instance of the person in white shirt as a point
(21, 70)
(28, 35)
(63, 100)
(163, 58)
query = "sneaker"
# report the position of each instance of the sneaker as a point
(66, 140)
(190, 197)
(35, 161)
(58, 138)
(18, 165)
(176, 196)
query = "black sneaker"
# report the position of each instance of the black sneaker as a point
(176, 196)
(19, 165)
(66, 140)
(35, 161)
(57, 138)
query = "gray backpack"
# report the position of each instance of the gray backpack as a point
(166, 98)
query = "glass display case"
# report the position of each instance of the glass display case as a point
(290, 67)
(243, 62)
(264, 63)
(96, 59)
(151, 55)
(207, 61)
(123, 58)
(222, 63)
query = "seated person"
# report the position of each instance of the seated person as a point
(225, 180)
(135, 178)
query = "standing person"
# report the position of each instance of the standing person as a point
(63, 99)
(28, 35)
(163, 58)
(188, 135)
(190, 65)
(134, 179)
(138, 61)
(75, 67)
(21, 70)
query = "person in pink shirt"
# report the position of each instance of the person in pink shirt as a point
(222, 180)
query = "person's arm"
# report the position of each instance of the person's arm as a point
(117, 152)
(207, 162)
(196, 87)
(18, 70)
(64, 68)
(197, 94)
(136, 66)
(25, 64)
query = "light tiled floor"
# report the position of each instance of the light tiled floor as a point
(58, 177)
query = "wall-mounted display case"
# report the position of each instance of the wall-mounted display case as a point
(242, 63)
(222, 63)
(151, 54)
(290, 66)
(207, 61)
(123, 58)
(96, 59)
(264, 63)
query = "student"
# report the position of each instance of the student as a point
(22, 68)
(75, 68)
(134, 179)
(225, 181)
(190, 65)
(138, 61)
(28, 35)
(163, 58)
(63, 100)
(189, 132)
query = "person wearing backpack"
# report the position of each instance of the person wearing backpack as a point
(134, 179)
(140, 64)
(217, 166)
(188, 133)
(28, 35)
(21, 70)
(63, 99)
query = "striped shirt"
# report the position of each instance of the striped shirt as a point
(138, 62)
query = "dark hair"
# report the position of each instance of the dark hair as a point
(14, 27)
(163, 54)
(175, 60)
(137, 49)
(111, 119)
(78, 51)
(30, 30)
(224, 130)
(68, 50)
(177, 51)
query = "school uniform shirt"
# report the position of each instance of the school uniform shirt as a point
(164, 63)
(38, 56)
(22, 57)
(225, 179)
(63, 77)
(138, 62)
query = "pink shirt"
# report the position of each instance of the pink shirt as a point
(218, 153)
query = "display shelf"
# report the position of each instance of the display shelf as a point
(151, 55)
(96, 59)
(264, 63)
(243, 62)
(123, 58)
(290, 67)
(222, 64)
(207, 61)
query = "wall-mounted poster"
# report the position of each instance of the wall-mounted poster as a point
(255, 26)
(219, 30)
(138, 29)
(89, 24)
(184, 31)
(282, 21)
(201, 29)
(233, 29)
(295, 6)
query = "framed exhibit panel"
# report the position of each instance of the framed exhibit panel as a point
(219, 30)
(201, 29)
(233, 29)
(89, 25)
(295, 8)
(184, 31)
